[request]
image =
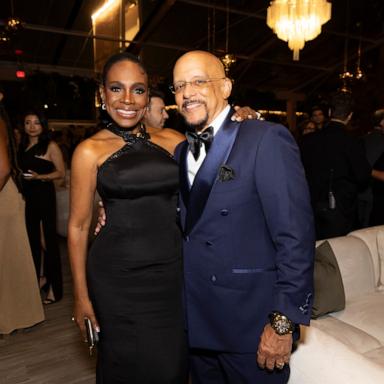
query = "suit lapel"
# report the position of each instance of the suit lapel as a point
(183, 171)
(206, 176)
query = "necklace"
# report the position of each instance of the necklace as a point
(126, 134)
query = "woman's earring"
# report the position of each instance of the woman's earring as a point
(103, 107)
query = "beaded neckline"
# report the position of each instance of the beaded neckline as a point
(126, 134)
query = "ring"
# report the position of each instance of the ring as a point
(280, 365)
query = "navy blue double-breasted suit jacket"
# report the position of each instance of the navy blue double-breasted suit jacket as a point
(249, 239)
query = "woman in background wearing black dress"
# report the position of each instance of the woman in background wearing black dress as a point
(130, 283)
(42, 162)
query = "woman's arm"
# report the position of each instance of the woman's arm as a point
(82, 191)
(5, 166)
(53, 154)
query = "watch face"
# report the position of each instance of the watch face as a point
(282, 326)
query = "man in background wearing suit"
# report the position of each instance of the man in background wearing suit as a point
(337, 170)
(249, 241)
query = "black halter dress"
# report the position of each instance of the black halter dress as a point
(134, 267)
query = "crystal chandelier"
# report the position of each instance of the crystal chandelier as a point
(298, 21)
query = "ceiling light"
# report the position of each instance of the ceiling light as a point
(298, 21)
(105, 7)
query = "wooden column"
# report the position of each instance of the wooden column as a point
(291, 105)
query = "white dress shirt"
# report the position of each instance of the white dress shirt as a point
(194, 165)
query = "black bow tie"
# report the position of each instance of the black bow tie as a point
(195, 141)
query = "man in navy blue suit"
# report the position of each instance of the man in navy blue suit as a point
(248, 227)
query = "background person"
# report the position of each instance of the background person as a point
(374, 140)
(318, 116)
(373, 194)
(20, 301)
(337, 169)
(155, 114)
(305, 127)
(42, 162)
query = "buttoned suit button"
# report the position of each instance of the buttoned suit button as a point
(213, 278)
(224, 212)
(186, 238)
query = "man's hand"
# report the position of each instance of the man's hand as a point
(101, 219)
(245, 113)
(274, 351)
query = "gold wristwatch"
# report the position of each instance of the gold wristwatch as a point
(281, 324)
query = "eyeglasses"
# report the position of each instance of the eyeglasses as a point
(195, 84)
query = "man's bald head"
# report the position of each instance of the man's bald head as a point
(210, 61)
(202, 89)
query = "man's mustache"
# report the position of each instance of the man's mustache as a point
(187, 102)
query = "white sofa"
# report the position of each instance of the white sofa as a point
(347, 347)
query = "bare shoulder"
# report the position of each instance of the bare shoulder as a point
(87, 149)
(53, 146)
(168, 139)
(173, 133)
(98, 147)
(170, 135)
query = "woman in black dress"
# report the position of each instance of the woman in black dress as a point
(130, 283)
(42, 162)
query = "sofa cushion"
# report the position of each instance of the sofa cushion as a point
(323, 359)
(376, 355)
(355, 263)
(328, 285)
(374, 239)
(354, 338)
(380, 249)
(365, 313)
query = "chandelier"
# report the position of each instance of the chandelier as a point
(229, 58)
(349, 79)
(297, 21)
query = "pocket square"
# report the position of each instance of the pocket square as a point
(226, 173)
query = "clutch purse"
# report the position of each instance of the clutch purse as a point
(92, 336)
